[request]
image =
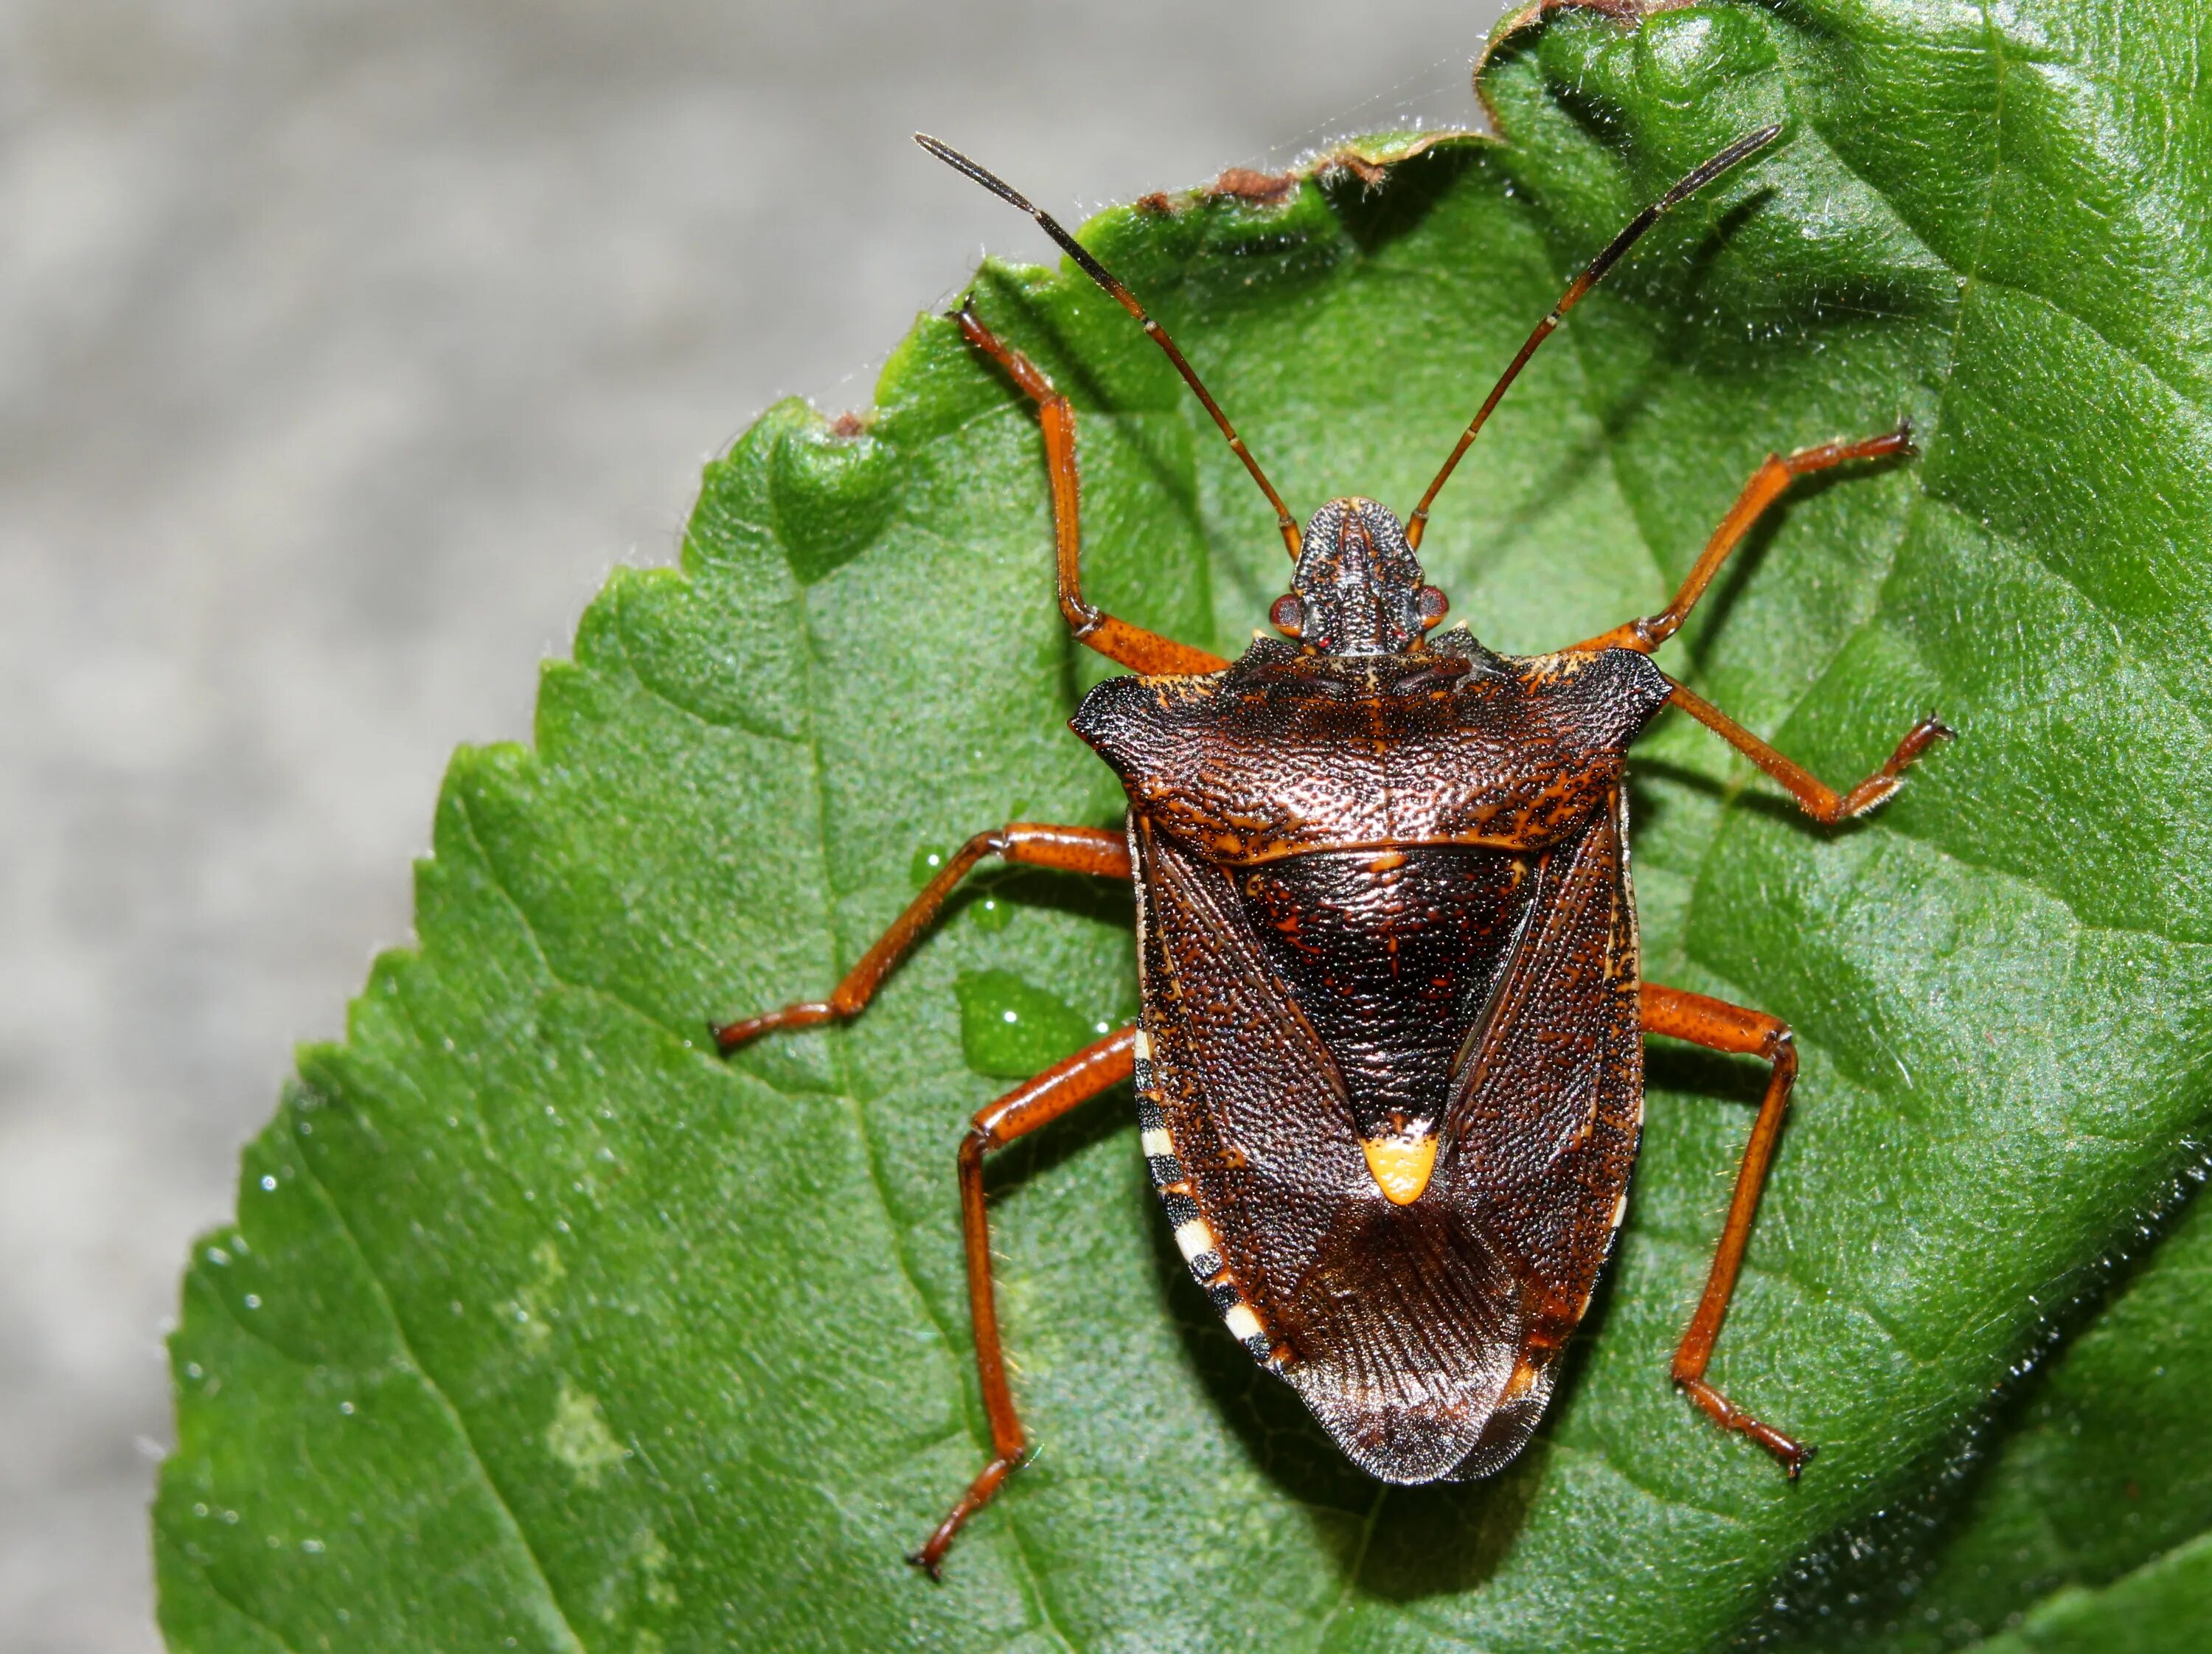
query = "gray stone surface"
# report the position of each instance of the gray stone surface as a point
(343, 347)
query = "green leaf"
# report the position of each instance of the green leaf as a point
(543, 1326)
(2094, 1470)
(2160, 1609)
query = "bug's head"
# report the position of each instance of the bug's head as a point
(1357, 587)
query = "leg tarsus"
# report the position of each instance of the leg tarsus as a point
(808, 1013)
(1793, 1456)
(1885, 781)
(930, 1558)
(1719, 1026)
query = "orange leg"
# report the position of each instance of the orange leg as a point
(1767, 484)
(1719, 1026)
(1042, 1100)
(1814, 796)
(1117, 640)
(1072, 849)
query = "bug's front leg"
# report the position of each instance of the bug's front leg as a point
(1071, 849)
(1719, 1026)
(1767, 484)
(1060, 1088)
(1116, 638)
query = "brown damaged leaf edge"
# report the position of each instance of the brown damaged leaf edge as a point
(1389, 1063)
(1371, 165)
(1262, 189)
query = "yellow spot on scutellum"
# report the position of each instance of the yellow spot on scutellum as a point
(1401, 1165)
(579, 1436)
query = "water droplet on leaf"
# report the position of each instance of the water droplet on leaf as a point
(1010, 1030)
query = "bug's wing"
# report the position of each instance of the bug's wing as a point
(1400, 1326)
(1246, 1090)
(1547, 1104)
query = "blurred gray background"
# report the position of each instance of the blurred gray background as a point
(343, 347)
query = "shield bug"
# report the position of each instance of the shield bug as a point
(1388, 1065)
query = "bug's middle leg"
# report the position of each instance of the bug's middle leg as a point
(1719, 1026)
(1060, 1088)
(1114, 638)
(1767, 484)
(1814, 796)
(1071, 849)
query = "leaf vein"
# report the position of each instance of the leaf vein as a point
(2118, 630)
(652, 691)
(238, 1606)
(2095, 927)
(2129, 353)
(1606, 1457)
(445, 1403)
(810, 651)
(1351, 1574)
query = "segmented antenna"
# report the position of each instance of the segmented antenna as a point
(1589, 278)
(1122, 295)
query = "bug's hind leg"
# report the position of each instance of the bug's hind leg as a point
(1719, 1026)
(1071, 849)
(1060, 1088)
(1767, 484)
(1117, 640)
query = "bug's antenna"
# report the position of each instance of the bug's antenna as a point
(1589, 278)
(1122, 295)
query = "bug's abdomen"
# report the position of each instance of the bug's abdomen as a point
(1391, 955)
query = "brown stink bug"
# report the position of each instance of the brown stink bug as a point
(1388, 1067)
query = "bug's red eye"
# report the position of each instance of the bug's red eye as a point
(1433, 603)
(1288, 615)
